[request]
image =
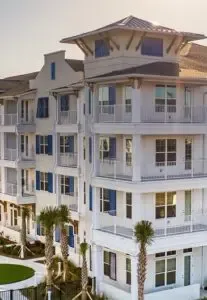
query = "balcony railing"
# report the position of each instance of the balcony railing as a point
(29, 156)
(11, 189)
(71, 200)
(28, 190)
(174, 170)
(112, 168)
(27, 119)
(10, 154)
(121, 113)
(68, 160)
(68, 117)
(9, 119)
(114, 225)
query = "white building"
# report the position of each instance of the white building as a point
(120, 137)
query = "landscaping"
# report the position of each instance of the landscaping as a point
(13, 273)
(5, 241)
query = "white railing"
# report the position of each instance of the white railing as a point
(71, 200)
(10, 154)
(30, 156)
(28, 190)
(115, 113)
(174, 114)
(114, 169)
(68, 159)
(68, 117)
(11, 189)
(9, 119)
(174, 170)
(27, 120)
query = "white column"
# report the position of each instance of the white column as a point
(96, 208)
(18, 110)
(136, 157)
(97, 253)
(19, 182)
(79, 108)
(95, 169)
(137, 208)
(3, 179)
(18, 146)
(2, 145)
(58, 190)
(136, 102)
(134, 279)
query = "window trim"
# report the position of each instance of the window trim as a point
(65, 185)
(165, 107)
(128, 154)
(43, 144)
(166, 205)
(104, 201)
(167, 256)
(128, 206)
(128, 272)
(64, 144)
(166, 153)
(104, 51)
(101, 148)
(44, 181)
(144, 53)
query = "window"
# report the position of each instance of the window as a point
(22, 109)
(165, 270)
(43, 144)
(90, 258)
(53, 71)
(84, 193)
(165, 98)
(64, 103)
(101, 48)
(165, 206)
(188, 250)
(110, 264)
(103, 148)
(103, 95)
(128, 270)
(128, 99)
(22, 143)
(165, 152)
(64, 144)
(84, 147)
(152, 47)
(104, 200)
(43, 181)
(42, 108)
(129, 205)
(128, 152)
(65, 185)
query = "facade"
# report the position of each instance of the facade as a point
(119, 138)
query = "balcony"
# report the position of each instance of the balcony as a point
(71, 200)
(8, 119)
(68, 160)
(152, 114)
(111, 168)
(67, 117)
(11, 189)
(10, 154)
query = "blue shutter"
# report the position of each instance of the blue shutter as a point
(112, 147)
(71, 237)
(64, 103)
(49, 149)
(45, 108)
(52, 70)
(57, 234)
(90, 149)
(90, 198)
(71, 184)
(37, 144)
(37, 180)
(112, 202)
(50, 182)
(89, 101)
(38, 229)
(112, 95)
(71, 143)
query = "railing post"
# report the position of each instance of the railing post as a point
(165, 170)
(11, 295)
(165, 231)
(191, 223)
(192, 167)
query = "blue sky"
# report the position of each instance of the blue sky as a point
(30, 28)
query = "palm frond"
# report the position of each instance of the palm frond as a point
(25, 211)
(144, 232)
(64, 214)
(48, 217)
(83, 248)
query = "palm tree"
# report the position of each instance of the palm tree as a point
(144, 234)
(48, 218)
(84, 270)
(63, 218)
(23, 235)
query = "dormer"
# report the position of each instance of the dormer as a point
(129, 42)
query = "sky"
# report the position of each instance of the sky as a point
(31, 28)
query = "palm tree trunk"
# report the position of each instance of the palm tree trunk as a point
(84, 278)
(23, 236)
(49, 256)
(64, 251)
(142, 266)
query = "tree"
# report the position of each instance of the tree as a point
(144, 234)
(48, 218)
(63, 218)
(23, 235)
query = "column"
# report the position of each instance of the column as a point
(18, 146)
(19, 182)
(2, 145)
(134, 278)
(136, 157)
(79, 107)
(136, 101)
(81, 207)
(96, 209)
(95, 169)
(3, 180)
(58, 190)
(137, 208)
(97, 254)
(18, 110)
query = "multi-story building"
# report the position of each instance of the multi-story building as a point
(119, 138)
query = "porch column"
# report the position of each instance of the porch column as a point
(136, 101)
(97, 253)
(96, 208)
(134, 278)
(18, 146)
(18, 110)
(3, 180)
(2, 145)
(19, 182)
(95, 155)
(136, 157)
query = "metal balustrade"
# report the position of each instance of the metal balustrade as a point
(9, 119)
(112, 168)
(68, 159)
(114, 113)
(68, 117)
(11, 189)
(10, 154)
(71, 200)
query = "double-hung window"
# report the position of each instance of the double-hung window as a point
(128, 270)
(110, 264)
(128, 99)
(103, 148)
(128, 152)
(104, 200)
(165, 98)
(43, 144)
(64, 144)
(103, 96)
(101, 48)
(165, 152)
(165, 205)
(65, 185)
(165, 268)
(43, 107)
(128, 205)
(43, 181)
